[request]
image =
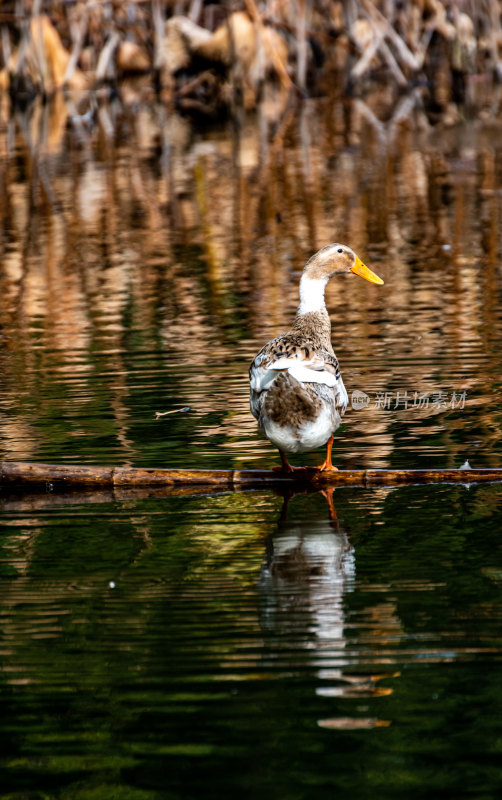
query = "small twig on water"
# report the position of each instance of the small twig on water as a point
(159, 414)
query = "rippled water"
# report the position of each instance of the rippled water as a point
(204, 645)
(201, 646)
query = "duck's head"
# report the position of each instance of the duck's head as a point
(335, 259)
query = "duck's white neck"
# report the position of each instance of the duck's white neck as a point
(312, 294)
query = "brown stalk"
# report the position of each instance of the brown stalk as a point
(190, 87)
(392, 64)
(158, 31)
(301, 44)
(195, 9)
(106, 56)
(78, 41)
(374, 16)
(279, 66)
(363, 64)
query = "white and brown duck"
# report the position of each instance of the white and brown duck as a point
(297, 392)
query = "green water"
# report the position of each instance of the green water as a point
(208, 646)
(246, 644)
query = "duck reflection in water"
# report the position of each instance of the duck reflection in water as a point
(309, 567)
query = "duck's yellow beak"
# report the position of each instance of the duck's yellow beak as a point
(361, 269)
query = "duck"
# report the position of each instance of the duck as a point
(297, 393)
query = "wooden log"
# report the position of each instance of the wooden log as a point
(19, 474)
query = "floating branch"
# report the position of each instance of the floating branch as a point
(159, 414)
(24, 474)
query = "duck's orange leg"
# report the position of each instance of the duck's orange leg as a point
(326, 465)
(286, 466)
(328, 494)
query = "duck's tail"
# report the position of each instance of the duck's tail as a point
(289, 402)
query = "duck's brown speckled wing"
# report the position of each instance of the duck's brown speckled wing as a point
(293, 346)
(303, 360)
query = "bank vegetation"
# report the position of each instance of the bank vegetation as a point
(212, 59)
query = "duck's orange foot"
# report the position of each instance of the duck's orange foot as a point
(327, 468)
(286, 466)
(326, 465)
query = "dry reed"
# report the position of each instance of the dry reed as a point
(211, 58)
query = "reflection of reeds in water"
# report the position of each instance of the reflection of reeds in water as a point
(196, 243)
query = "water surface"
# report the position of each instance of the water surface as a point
(208, 645)
(203, 645)
(144, 262)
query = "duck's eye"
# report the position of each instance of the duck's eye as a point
(339, 250)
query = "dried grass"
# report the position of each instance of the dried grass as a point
(313, 46)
